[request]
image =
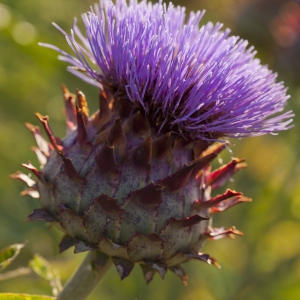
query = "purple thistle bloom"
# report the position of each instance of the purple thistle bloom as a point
(200, 83)
(133, 183)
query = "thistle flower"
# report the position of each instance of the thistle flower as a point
(133, 180)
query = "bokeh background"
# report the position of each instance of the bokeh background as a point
(264, 264)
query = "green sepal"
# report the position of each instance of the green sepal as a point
(145, 247)
(124, 267)
(103, 217)
(179, 271)
(72, 223)
(140, 211)
(177, 235)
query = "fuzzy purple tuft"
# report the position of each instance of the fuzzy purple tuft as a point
(200, 83)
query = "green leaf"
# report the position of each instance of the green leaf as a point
(42, 268)
(7, 255)
(9, 296)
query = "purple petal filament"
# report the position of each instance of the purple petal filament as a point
(199, 80)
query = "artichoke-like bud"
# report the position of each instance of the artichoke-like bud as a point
(134, 180)
(116, 185)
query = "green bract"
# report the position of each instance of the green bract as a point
(117, 185)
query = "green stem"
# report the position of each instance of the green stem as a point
(86, 277)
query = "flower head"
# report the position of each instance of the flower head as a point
(133, 181)
(198, 82)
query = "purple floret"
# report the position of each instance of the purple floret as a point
(198, 82)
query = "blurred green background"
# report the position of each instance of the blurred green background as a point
(264, 264)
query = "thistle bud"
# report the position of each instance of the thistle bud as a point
(134, 180)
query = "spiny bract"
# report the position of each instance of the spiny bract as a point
(115, 185)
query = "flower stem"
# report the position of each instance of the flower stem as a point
(86, 277)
